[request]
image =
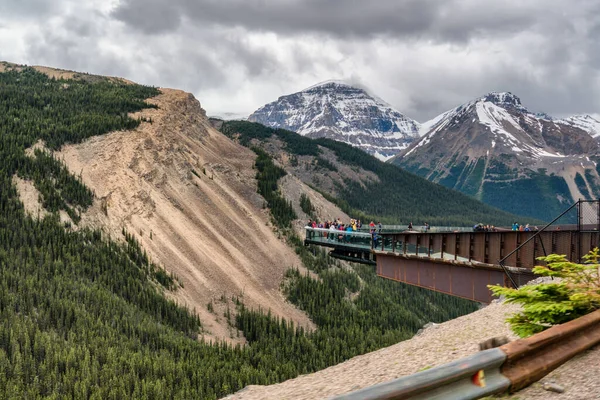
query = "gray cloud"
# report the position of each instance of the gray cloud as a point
(422, 56)
(26, 8)
(150, 16)
(442, 20)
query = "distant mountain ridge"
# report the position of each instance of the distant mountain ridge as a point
(339, 111)
(362, 185)
(495, 149)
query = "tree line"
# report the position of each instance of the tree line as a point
(85, 316)
(398, 197)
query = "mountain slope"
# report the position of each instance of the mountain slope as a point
(80, 297)
(496, 150)
(188, 194)
(361, 184)
(344, 113)
(185, 192)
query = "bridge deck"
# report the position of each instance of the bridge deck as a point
(460, 263)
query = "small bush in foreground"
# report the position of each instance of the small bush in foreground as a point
(547, 304)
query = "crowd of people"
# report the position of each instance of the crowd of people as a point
(484, 228)
(515, 227)
(337, 228)
(523, 228)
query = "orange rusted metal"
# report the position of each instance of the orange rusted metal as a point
(530, 359)
(446, 276)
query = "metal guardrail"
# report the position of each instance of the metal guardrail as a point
(448, 382)
(530, 359)
(507, 368)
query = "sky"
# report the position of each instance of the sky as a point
(421, 56)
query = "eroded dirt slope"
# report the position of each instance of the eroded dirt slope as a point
(188, 193)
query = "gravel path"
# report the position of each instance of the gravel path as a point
(436, 345)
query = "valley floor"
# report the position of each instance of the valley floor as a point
(436, 345)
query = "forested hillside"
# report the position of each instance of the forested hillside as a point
(386, 192)
(86, 317)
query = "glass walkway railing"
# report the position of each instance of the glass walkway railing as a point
(361, 240)
(331, 238)
(357, 239)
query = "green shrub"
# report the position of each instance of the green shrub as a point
(547, 304)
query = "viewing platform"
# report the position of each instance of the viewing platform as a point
(461, 261)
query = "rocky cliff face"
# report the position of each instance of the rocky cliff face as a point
(188, 194)
(341, 112)
(495, 149)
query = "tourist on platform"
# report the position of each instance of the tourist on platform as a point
(332, 230)
(410, 226)
(348, 230)
(372, 227)
(375, 238)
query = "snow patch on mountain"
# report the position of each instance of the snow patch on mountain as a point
(507, 120)
(588, 123)
(336, 110)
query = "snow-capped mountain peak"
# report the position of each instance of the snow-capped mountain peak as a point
(330, 82)
(504, 125)
(493, 148)
(340, 111)
(588, 123)
(504, 99)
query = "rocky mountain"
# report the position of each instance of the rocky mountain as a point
(188, 195)
(495, 149)
(344, 113)
(134, 234)
(360, 184)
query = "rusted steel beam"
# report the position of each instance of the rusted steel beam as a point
(489, 247)
(443, 245)
(530, 359)
(457, 246)
(471, 246)
(459, 279)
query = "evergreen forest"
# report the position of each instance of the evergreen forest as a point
(398, 198)
(83, 316)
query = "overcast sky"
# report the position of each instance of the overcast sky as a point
(421, 56)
